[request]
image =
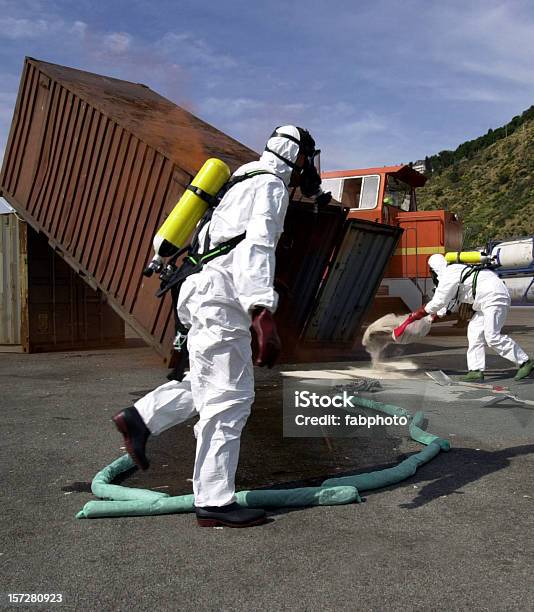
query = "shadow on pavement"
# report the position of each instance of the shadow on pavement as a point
(463, 466)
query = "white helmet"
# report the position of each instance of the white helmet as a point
(437, 262)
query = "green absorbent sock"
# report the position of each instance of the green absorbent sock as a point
(473, 376)
(525, 370)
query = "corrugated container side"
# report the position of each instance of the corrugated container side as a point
(96, 164)
(64, 312)
(352, 282)
(302, 257)
(12, 282)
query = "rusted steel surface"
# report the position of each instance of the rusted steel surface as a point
(353, 279)
(44, 304)
(13, 297)
(329, 268)
(64, 313)
(304, 251)
(96, 164)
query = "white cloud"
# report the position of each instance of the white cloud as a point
(7, 107)
(117, 42)
(79, 28)
(7, 99)
(15, 29)
(189, 49)
(230, 107)
(493, 40)
(4, 207)
(355, 141)
(238, 108)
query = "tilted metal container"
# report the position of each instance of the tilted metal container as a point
(96, 164)
(330, 267)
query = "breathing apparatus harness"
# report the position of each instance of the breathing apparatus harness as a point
(172, 276)
(472, 270)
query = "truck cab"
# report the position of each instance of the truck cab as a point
(388, 195)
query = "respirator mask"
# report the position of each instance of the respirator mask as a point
(307, 172)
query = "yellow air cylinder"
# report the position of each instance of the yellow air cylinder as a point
(466, 257)
(179, 225)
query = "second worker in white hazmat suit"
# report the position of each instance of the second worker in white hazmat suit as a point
(490, 300)
(219, 305)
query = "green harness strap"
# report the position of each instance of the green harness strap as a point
(224, 247)
(194, 261)
(469, 271)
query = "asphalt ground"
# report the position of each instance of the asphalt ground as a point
(458, 535)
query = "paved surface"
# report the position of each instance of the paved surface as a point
(456, 536)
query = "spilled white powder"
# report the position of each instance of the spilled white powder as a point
(379, 334)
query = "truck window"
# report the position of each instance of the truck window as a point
(369, 194)
(351, 192)
(354, 192)
(335, 186)
(398, 193)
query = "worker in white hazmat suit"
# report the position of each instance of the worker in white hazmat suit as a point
(490, 301)
(219, 305)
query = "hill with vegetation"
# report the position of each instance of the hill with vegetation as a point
(488, 182)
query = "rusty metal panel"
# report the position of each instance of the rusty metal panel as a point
(304, 251)
(64, 312)
(96, 164)
(352, 282)
(12, 283)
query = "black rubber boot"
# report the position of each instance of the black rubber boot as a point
(232, 515)
(135, 432)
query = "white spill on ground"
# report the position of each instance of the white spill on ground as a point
(393, 370)
(410, 379)
(377, 336)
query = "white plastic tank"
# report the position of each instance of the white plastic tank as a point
(515, 254)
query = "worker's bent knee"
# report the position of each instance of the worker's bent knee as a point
(493, 339)
(229, 422)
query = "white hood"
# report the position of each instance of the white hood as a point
(284, 147)
(438, 263)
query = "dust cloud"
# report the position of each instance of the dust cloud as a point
(376, 338)
(379, 334)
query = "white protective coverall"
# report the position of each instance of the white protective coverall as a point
(216, 305)
(491, 305)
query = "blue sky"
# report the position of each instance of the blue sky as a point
(376, 82)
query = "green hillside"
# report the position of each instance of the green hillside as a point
(491, 187)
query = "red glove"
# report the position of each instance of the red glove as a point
(414, 316)
(418, 314)
(269, 344)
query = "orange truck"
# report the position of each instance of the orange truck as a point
(388, 195)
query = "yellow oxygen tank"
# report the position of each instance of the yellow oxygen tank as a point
(466, 257)
(181, 222)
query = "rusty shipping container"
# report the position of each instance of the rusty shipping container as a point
(13, 284)
(45, 305)
(96, 164)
